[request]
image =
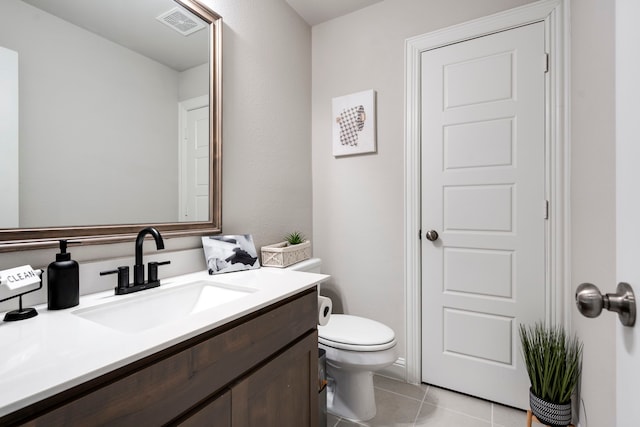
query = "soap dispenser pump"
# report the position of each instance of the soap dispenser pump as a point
(63, 281)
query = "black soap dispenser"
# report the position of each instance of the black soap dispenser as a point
(63, 281)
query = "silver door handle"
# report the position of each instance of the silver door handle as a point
(590, 302)
(432, 235)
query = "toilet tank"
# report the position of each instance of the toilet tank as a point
(311, 265)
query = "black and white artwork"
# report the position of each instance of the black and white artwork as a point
(225, 254)
(354, 130)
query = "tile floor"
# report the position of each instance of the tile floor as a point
(406, 405)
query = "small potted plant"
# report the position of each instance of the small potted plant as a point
(294, 249)
(294, 238)
(554, 362)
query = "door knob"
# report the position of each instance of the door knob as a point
(590, 302)
(432, 235)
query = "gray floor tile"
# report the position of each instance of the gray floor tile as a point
(394, 410)
(437, 416)
(476, 408)
(504, 416)
(405, 405)
(332, 420)
(410, 390)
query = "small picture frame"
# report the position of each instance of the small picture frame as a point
(228, 253)
(354, 123)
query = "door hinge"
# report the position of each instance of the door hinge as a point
(545, 209)
(546, 62)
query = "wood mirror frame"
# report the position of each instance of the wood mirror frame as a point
(36, 238)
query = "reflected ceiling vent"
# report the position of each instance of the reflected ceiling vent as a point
(181, 21)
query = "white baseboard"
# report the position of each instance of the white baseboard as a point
(397, 371)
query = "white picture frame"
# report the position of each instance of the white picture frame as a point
(354, 123)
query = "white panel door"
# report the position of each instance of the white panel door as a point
(197, 165)
(483, 191)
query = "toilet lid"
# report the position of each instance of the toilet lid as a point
(356, 333)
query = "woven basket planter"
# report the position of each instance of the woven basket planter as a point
(283, 255)
(551, 414)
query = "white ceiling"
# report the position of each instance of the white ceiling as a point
(318, 11)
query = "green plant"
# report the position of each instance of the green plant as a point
(553, 361)
(295, 238)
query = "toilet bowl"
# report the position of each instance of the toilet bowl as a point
(355, 348)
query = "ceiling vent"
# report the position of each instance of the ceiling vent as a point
(180, 21)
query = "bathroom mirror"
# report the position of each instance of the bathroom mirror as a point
(113, 120)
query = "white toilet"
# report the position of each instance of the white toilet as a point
(356, 347)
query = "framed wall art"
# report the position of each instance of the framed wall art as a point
(354, 123)
(228, 253)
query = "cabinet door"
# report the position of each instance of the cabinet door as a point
(283, 392)
(215, 413)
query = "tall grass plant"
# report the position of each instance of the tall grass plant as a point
(553, 360)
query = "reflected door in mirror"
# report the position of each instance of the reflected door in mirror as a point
(9, 160)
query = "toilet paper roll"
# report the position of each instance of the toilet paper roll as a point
(324, 310)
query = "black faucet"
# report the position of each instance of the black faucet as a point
(138, 268)
(124, 287)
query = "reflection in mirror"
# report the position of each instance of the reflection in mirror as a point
(108, 116)
(9, 166)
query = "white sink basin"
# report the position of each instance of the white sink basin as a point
(155, 307)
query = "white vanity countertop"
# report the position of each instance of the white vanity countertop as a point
(56, 350)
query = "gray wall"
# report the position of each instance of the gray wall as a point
(193, 82)
(266, 119)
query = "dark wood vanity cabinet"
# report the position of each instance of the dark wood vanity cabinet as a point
(283, 392)
(214, 413)
(260, 370)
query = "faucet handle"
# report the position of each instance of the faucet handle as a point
(123, 277)
(153, 270)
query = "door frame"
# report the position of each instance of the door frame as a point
(555, 14)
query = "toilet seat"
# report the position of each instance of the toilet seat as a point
(346, 332)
